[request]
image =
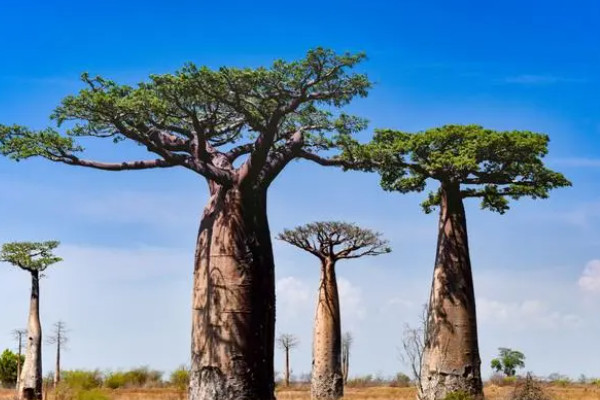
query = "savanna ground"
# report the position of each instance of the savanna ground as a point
(492, 392)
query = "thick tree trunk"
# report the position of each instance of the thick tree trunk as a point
(233, 316)
(287, 366)
(30, 382)
(327, 381)
(451, 356)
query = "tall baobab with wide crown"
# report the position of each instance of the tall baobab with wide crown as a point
(33, 257)
(60, 339)
(467, 161)
(331, 242)
(287, 342)
(238, 128)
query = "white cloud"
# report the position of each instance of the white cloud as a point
(293, 296)
(590, 278)
(524, 315)
(351, 302)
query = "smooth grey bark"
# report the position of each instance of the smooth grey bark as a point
(30, 381)
(233, 321)
(327, 381)
(451, 356)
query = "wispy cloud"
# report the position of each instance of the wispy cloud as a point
(541, 79)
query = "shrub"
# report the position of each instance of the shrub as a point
(115, 380)
(458, 395)
(401, 380)
(94, 394)
(180, 378)
(81, 379)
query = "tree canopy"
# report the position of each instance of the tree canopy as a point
(30, 256)
(508, 361)
(491, 165)
(287, 341)
(206, 120)
(336, 240)
(8, 368)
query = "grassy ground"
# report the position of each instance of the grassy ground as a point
(573, 392)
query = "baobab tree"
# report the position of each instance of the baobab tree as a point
(347, 341)
(18, 335)
(60, 339)
(237, 128)
(467, 161)
(33, 257)
(287, 342)
(331, 242)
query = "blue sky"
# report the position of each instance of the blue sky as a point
(125, 285)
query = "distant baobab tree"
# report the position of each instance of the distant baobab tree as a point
(238, 128)
(33, 257)
(18, 335)
(287, 342)
(331, 242)
(60, 339)
(466, 161)
(347, 341)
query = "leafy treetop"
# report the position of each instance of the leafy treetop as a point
(336, 240)
(508, 361)
(30, 256)
(206, 120)
(491, 165)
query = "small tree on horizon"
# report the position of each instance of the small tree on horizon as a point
(467, 161)
(508, 361)
(33, 257)
(9, 368)
(347, 341)
(287, 342)
(60, 339)
(331, 242)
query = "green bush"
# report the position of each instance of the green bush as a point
(180, 378)
(82, 380)
(401, 380)
(458, 395)
(94, 394)
(115, 380)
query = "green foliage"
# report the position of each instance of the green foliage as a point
(94, 394)
(508, 361)
(401, 380)
(82, 379)
(65, 392)
(490, 165)
(30, 256)
(458, 395)
(183, 117)
(180, 378)
(8, 368)
(137, 377)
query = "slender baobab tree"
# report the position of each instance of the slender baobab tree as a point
(347, 341)
(33, 257)
(287, 342)
(18, 335)
(237, 128)
(466, 161)
(60, 339)
(331, 242)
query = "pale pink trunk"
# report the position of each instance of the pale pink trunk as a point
(233, 316)
(327, 381)
(30, 382)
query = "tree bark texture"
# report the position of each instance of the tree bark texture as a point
(30, 382)
(327, 381)
(233, 321)
(287, 366)
(451, 356)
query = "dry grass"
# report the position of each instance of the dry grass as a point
(574, 392)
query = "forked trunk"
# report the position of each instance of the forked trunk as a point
(451, 356)
(233, 316)
(327, 381)
(30, 382)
